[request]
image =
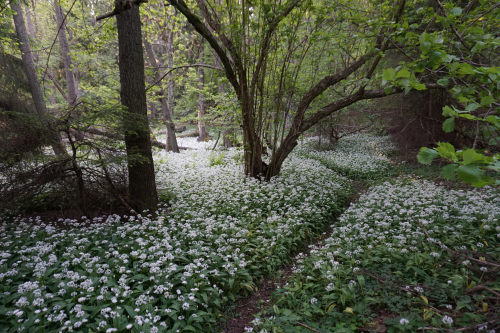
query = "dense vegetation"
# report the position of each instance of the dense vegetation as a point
(161, 161)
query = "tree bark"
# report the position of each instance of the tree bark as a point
(171, 142)
(202, 130)
(171, 139)
(71, 84)
(36, 90)
(141, 175)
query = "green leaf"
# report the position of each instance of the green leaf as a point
(471, 156)
(443, 82)
(418, 85)
(448, 171)
(449, 112)
(388, 74)
(487, 100)
(449, 125)
(465, 69)
(494, 120)
(446, 150)
(361, 281)
(467, 116)
(472, 174)
(425, 42)
(404, 73)
(456, 11)
(472, 106)
(426, 155)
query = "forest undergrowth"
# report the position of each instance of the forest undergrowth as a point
(408, 254)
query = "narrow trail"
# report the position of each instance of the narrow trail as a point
(248, 307)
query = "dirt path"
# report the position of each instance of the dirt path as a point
(248, 307)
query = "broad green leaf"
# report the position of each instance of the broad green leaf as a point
(389, 74)
(448, 171)
(494, 120)
(449, 112)
(446, 150)
(472, 106)
(473, 175)
(418, 86)
(465, 69)
(426, 155)
(487, 100)
(449, 125)
(443, 82)
(404, 73)
(470, 156)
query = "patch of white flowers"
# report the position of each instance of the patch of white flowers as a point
(406, 222)
(358, 155)
(163, 271)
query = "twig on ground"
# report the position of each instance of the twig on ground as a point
(309, 327)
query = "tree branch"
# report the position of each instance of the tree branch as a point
(359, 95)
(179, 67)
(324, 84)
(267, 40)
(210, 38)
(120, 6)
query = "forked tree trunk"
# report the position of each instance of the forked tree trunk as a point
(141, 175)
(36, 90)
(171, 142)
(202, 130)
(252, 145)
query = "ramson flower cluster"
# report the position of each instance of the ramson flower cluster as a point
(358, 155)
(168, 271)
(403, 243)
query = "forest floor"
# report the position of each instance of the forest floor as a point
(343, 240)
(241, 317)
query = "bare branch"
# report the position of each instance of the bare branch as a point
(179, 67)
(202, 29)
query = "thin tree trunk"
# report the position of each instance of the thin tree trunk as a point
(36, 90)
(65, 55)
(202, 130)
(171, 139)
(171, 142)
(31, 30)
(227, 133)
(141, 175)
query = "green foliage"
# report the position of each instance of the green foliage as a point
(470, 165)
(460, 50)
(383, 267)
(217, 159)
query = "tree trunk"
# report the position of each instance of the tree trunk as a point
(228, 138)
(68, 69)
(171, 139)
(252, 145)
(141, 175)
(36, 90)
(171, 142)
(202, 130)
